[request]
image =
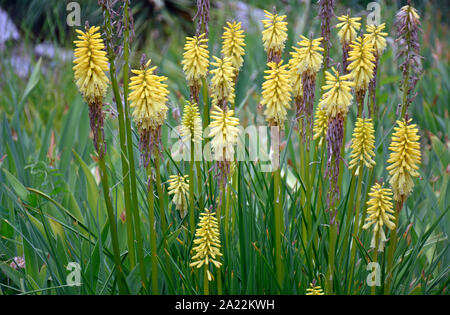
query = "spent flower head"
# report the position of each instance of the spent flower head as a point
(404, 159)
(90, 65)
(363, 144)
(233, 44)
(207, 243)
(379, 214)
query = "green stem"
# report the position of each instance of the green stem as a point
(122, 139)
(331, 255)
(151, 215)
(355, 226)
(392, 247)
(277, 200)
(374, 259)
(162, 211)
(112, 218)
(134, 199)
(205, 282)
(191, 191)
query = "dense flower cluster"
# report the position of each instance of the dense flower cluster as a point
(379, 214)
(233, 44)
(207, 243)
(276, 93)
(405, 158)
(363, 144)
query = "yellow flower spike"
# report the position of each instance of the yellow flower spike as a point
(379, 214)
(275, 33)
(348, 28)
(191, 124)
(179, 188)
(338, 97)
(309, 55)
(362, 63)
(314, 290)
(276, 93)
(148, 98)
(295, 76)
(222, 81)
(320, 125)
(404, 159)
(233, 44)
(208, 243)
(224, 131)
(90, 65)
(363, 144)
(376, 37)
(195, 58)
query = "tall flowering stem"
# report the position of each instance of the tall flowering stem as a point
(361, 68)
(404, 160)
(191, 133)
(90, 66)
(148, 100)
(277, 98)
(348, 28)
(376, 37)
(335, 101)
(407, 24)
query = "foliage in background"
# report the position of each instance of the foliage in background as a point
(49, 178)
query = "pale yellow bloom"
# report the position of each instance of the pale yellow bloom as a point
(363, 144)
(314, 290)
(191, 124)
(362, 63)
(379, 214)
(90, 65)
(376, 37)
(348, 28)
(276, 93)
(309, 55)
(338, 97)
(195, 58)
(179, 188)
(224, 131)
(275, 32)
(405, 158)
(222, 81)
(320, 125)
(148, 97)
(208, 243)
(295, 76)
(233, 44)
